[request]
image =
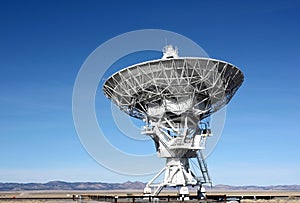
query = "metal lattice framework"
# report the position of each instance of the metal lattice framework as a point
(200, 86)
(173, 95)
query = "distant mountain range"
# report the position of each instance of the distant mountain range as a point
(60, 185)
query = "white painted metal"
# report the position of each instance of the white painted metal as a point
(172, 95)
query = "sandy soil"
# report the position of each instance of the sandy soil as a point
(37, 201)
(271, 201)
(68, 194)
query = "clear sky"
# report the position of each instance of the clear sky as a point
(44, 43)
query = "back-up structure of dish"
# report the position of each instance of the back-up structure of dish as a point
(173, 96)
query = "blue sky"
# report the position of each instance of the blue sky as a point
(44, 43)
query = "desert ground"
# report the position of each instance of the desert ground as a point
(66, 196)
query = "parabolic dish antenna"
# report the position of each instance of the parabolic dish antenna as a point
(173, 96)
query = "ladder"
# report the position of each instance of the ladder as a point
(203, 168)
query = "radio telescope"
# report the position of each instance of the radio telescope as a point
(173, 96)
